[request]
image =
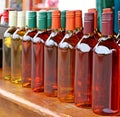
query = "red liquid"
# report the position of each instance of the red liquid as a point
(83, 72)
(79, 33)
(37, 83)
(66, 67)
(26, 59)
(50, 65)
(105, 80)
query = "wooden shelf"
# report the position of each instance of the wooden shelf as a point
(16, 101)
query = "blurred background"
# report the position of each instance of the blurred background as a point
(47, 4)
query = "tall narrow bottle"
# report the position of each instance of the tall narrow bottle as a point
(6, 72)
(97, 34)
(105, 93)
(51, 56)
(83, 63)
(26, 48)
(16, 48)
(78, 23)
(38, 42)
(66, 60)
(49, 21)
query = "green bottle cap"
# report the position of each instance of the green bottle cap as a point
(49, 18)
(42, 20)
(31, 19)
(63, 19)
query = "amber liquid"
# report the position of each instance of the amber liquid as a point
(66, 68)
(83, 72)
(16, 56)
(105, 80)
(6, 65)
(50, 64)
(26, 58)
(37, 82)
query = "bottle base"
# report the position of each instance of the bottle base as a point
(16, 81)
(51, 94)
(106, 112)
(38, 89)
(26, 85)
(7, 77)
(83, 105)
(67, 100)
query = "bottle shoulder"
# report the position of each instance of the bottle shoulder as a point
(9, 31)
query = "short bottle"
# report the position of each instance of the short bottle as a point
(66, 60)
(16, 48)
(83, 63)
(78, 23)
(37, 71)
(6, 68)
(105, 90)
(26, 48)
(51, 56)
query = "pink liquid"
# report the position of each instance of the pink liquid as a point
(83, 72)
(105, 80)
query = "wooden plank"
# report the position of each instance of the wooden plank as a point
(22, 102)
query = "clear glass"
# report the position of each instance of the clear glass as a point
(51, 62)
(16, 55)
(66, 66)
(83, 70)
(105, 91)
(26, 57)
(6, 64)
(37, 72)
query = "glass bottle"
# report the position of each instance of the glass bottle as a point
(105, 93)
(97, 34)
(16, 48)
(66, 60)
(6, 69)
(38, 42)
(51, 56)
(83, 63)
(78, 23)
(26, 48)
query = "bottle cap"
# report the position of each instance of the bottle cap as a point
(105, 10)
(70, 20)
(107, 23)
(31, 19)
(12, 18)
(63, 19)
(49, 18)
(93, 10)
(88, 23)
(42, 20)
(78, 18)
(21, 19)
(56, 19)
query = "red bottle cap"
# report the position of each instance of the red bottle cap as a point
(56, 19)
(93, 10)
(70, 20)
(78, 18)
(105, 10)
(88, 23)
(107, 23)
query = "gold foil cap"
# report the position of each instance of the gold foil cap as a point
(12, 18)
(21, 19)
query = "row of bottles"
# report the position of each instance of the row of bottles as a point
(59, 57)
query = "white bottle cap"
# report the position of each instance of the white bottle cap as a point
(21, 19)
(12, 18)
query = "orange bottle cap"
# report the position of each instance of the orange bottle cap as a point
(70, 20)
(78, 18)
(105, 10)
(56, 19)
(93, 10)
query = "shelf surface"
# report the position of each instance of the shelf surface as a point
(16, 101)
